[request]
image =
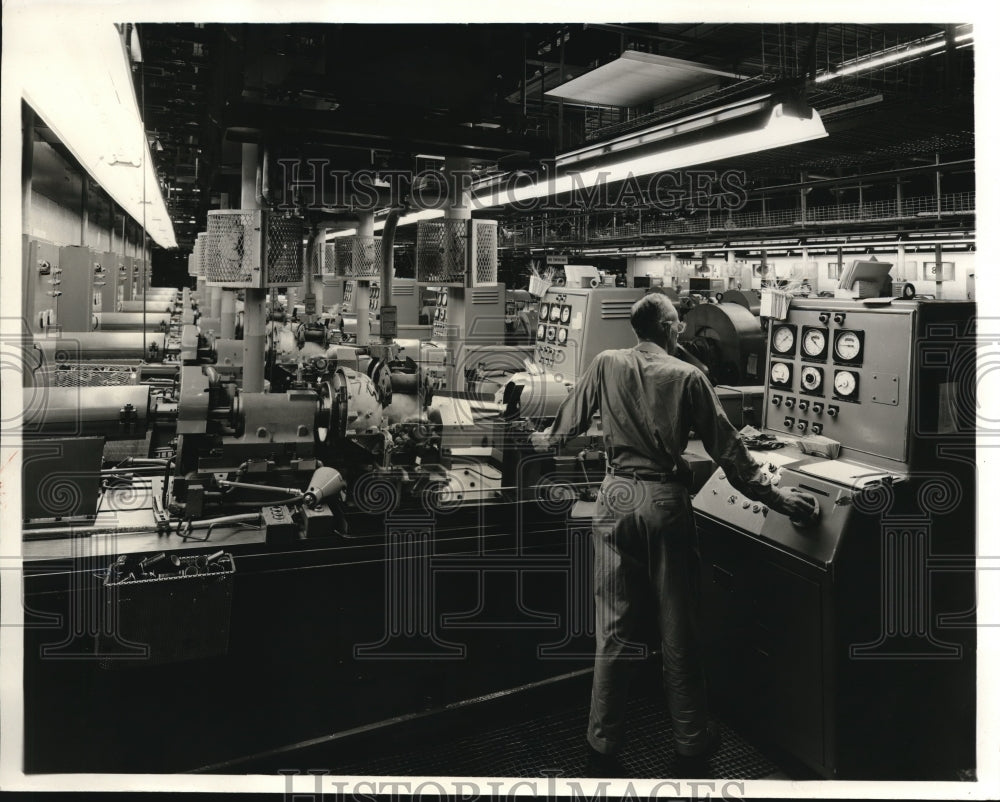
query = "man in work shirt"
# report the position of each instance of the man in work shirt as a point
(643, 523)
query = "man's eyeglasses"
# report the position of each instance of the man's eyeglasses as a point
(678, 326)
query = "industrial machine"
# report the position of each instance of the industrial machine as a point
(726, 341)
(825, 635)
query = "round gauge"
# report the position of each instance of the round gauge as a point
(811, 378)
(550, 334)
(564, 315)
(543, 311)
(845, 383)
(540, 332)
(439, 313)
(783, 339)
(780, 374)
(813, 342)
(847, 346)
(563, 336)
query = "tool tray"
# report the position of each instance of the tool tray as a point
(168, 618)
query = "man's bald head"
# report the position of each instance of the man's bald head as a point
(652, 319)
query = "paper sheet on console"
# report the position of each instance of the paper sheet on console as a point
(849, 474)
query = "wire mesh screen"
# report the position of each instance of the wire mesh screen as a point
(91, 376)
(485, 266)
(284, 250)
(329, 259)
(358, 256)
(441, 251)
(197, 264)
(232, 249)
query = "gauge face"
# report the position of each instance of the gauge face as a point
(812, 378)
(439, 313)
(444, 299)
(543, 311)
(780, 374)
(783, 339)
(550, 334)
(845, 383)
(813, 342)
(562, 336)
(540, 332)
(565, 314)
(847, 346)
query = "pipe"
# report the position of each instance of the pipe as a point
(265, 178)
(154, 306)
(87, 410)
(388, 238)
(93, 345)
(254, 322)
(132, 321)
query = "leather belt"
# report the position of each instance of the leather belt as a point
(643, 476)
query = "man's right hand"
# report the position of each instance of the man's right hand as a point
(795, 504)
(541, 440)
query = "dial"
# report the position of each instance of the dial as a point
(562, 336)
(847, 346)
(813, 342)
(565, 315)
(540, 332)
(543, 311)
(783, 339)
(550, 334)
(845, 383)
(780, 374)
(812, 378)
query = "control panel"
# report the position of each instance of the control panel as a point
(842, 370)
(468, 324)
(470, 314)
(574, 325)
(816, 540)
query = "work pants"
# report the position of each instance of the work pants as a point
(643, 538)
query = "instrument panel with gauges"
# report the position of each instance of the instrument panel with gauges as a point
(808, 622)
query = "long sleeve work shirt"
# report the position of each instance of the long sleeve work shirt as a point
(649, 401)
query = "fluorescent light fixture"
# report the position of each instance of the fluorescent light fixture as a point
(82, 89)
(882, 58)
(416, 217)
(347, 232)
(779, 130)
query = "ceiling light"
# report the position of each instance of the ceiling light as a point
(891, 56)
(778, 129)
(85, 95)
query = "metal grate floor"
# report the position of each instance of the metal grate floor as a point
(553, 745)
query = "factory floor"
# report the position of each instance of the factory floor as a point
(537, 731)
